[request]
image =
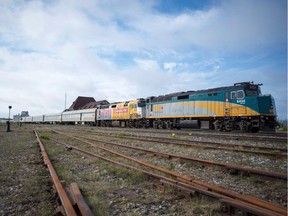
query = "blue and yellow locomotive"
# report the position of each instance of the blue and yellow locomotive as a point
(238, 107)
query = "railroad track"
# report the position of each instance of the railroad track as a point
(229, 199)
(257, 150)
(247, 170)
(243, 169)
(76, 199)
(270, 137)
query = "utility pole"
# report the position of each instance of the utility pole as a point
(65, 100)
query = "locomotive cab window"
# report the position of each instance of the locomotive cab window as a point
(141, 104)
(237, 94)
(240, 94)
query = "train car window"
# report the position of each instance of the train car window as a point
(210, 94)
(253, 90)
(251, 93)
(215, 94)
(113, 106)
(233, 95)
(240, 94)
(151, 107)
(182, 97)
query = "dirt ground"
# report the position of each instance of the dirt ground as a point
(25, 186)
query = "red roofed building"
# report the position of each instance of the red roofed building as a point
(86, 103)
(95, 104)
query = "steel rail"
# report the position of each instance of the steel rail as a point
(209, 145)
(221, 144)
(221, 191)
(202, 142)
(236, 136)
(227, 166)
(69, 210)
(79, 200)
(185, 187)
(191, 188)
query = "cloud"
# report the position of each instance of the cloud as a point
(120, 50)
(169, 66)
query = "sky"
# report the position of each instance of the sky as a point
(120, 50)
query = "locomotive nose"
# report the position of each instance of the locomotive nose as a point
(267, 105)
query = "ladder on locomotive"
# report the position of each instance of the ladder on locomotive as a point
(227, 108)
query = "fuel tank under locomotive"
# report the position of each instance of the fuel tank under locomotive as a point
(194, 124)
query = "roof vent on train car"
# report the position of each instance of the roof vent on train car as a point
(243, 83)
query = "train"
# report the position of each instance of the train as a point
(238, 107)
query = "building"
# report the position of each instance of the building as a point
(17, 117)
(95, 104)
(86, 103)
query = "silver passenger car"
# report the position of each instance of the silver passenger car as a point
(52, 118)
(38, 119)
(79, 116)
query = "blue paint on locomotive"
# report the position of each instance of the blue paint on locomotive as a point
(244, 94)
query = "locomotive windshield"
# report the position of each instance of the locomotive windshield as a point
(253, 90)
(141, 104)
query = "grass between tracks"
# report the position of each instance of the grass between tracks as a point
(113, 190)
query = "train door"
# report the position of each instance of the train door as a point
(227, 107)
